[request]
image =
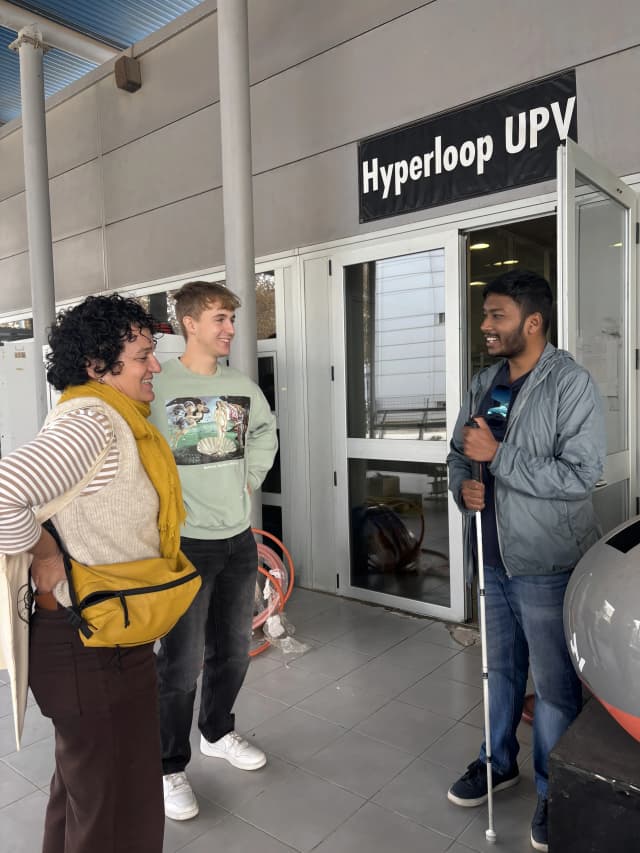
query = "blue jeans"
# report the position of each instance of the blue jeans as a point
(524, 628)
(216, 629)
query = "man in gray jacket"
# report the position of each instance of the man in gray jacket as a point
(541, 442)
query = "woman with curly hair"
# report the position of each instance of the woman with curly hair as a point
(106, 791)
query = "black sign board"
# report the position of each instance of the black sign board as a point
(506, 141)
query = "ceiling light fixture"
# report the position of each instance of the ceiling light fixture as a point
(475, 246)
(476, 283)
(510, 262)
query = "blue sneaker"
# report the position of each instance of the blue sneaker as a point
(471, 788)
(539, 826)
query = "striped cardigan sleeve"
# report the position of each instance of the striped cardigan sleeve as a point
(57, 459)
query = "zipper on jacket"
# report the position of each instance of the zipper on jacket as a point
(495, 510)
(520, 399)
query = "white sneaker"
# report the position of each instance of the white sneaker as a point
(179, 800)
(236, 750)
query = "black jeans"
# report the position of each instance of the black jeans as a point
(216, 629)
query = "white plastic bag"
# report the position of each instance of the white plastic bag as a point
(15, 607)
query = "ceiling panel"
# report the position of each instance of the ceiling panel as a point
(118, 23)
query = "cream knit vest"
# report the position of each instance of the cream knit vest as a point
(119, 522)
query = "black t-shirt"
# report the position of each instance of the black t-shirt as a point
(495, 409)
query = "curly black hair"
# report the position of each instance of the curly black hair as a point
(94, 331)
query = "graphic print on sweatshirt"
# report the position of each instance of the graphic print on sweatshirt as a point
(203, 430)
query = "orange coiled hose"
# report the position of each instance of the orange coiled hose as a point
(281, 579)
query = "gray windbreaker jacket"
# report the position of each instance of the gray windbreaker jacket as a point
(545, 469)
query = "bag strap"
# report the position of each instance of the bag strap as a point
(46, 511)
(68, 593)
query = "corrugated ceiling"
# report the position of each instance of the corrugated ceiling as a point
(118, 23)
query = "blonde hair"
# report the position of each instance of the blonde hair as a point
(194, 297)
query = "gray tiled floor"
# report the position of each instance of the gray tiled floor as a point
(365, 732)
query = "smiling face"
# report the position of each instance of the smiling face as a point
(138, 364)
(506, 332)
(212, 332)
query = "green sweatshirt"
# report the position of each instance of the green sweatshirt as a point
(223, 437)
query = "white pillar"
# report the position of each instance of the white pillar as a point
(36, 177)
(237, 190)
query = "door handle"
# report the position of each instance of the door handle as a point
(601, 484)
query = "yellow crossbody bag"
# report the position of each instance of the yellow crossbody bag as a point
(128, 604)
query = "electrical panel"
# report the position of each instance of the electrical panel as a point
(169, 346)
(18, 415)
(18, 366)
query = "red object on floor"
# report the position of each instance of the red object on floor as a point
(528, 708)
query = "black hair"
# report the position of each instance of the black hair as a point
(528, 289)
(94, 331)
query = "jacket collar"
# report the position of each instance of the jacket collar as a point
(548, 358)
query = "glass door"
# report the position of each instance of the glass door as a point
(397, 382)
(270, 327)
(597, 262)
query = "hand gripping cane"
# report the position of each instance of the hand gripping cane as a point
(476, 473)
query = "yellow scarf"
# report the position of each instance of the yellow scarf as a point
(155, 455)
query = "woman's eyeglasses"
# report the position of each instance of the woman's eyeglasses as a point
(501, 396)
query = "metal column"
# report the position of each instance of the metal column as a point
(237, 191)
(30, 49)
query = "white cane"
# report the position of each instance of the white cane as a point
(476, 473)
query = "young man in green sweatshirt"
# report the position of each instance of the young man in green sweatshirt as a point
(223, 437)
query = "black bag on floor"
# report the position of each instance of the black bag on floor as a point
(382, 542)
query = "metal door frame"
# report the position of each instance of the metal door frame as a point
(573, 160)
(397, 449)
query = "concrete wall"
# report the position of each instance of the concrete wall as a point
(136, 179)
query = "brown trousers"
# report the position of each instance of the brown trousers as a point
(106, 791)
